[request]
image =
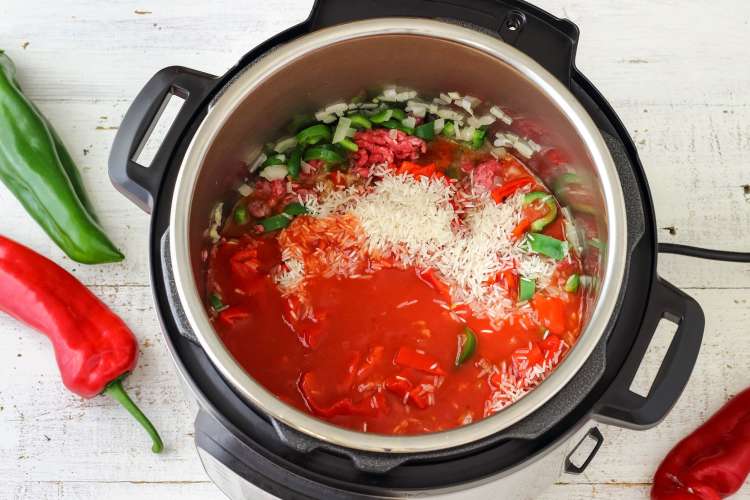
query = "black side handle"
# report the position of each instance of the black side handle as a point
(373, 463)
(595, 435)
(138, 183)
(622, 407)
(550, 41)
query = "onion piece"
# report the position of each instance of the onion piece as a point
(341, 129)
(337, 109)
(501, 115)
(244, 190)
(439, 125)
(257, 163)
(274, 172)
(285, 145)
(409, 121)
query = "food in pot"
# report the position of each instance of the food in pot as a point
(394, 267)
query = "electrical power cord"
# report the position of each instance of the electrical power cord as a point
(704, 253)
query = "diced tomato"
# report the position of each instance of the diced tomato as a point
(551, 311)
(503, 192)
(411, 358)
(233, 314)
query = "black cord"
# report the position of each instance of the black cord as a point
(704, 253)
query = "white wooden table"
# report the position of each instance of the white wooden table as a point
(677, 72)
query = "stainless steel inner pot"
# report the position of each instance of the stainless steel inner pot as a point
(337, 63)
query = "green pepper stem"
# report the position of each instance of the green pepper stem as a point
(115, 390)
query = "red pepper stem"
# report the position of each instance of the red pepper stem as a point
(115, 390)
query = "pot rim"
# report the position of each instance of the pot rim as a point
(253, 392)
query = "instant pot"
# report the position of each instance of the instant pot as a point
(508, 52)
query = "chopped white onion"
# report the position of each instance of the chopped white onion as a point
(499, 153)
(418, 109)
(439, 125)
(285, 145)
(341, 129)
(406, 95)
(350, 133)
(482, 121)
(501, 115)
(257, 163)
(337, 109)
(533, 145)
(523, 149)
(368, 105)
(274, 172)
(216, 216)
(449, 114)
(325, 117)
(393, 133)
(409, 121)
(244, 190)
(465, 104)
(453, 95)
(390, 93)
(444, 99)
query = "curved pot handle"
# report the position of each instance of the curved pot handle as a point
(548, 40)
(141, 183)
(619, 405)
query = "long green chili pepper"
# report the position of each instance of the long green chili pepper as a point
(551, 204)
(39, 171)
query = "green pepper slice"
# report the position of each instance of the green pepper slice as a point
(241, 215)
(360, 122)
(546, 245)
(398, 114)
(382, 116)
(278, 159)
(548, 200)
(526, 289)
(398, 126)
(425, 131)
(467, 345)
(348, 145)
(314, 135)
(294, 164)
(477, 138)
(449, 130)
(282, 220)
(572, 283)
(216, 303)
(325, 152)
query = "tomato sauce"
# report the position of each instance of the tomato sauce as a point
(384, 349)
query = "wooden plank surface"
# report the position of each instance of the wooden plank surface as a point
(675, 71)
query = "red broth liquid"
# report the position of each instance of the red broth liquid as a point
(345, 366)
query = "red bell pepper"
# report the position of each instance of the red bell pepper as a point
(429, 277)
(711, 463)
(411, 358)
(371, 406)
(551, 311)
(501, 193)
(94, 348)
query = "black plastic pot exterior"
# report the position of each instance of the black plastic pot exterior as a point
(280, 460)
